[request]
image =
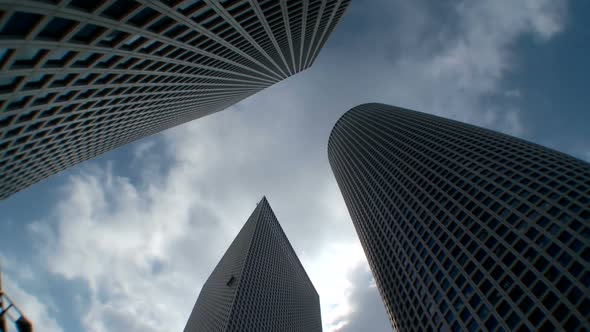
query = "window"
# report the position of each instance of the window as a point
(27, 57)
(536, 317)
(20, 24)
(88, 33)
(143, 17)
(85, 5)
(57, 28)
(162, 24)
(120, 9)
(231, 281)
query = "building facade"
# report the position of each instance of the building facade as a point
(80, 77)
(465, 229)
(259, 284)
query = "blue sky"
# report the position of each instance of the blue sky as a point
(125, 241)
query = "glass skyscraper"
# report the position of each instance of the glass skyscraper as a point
(81, 77)
(465, 229)
(259, 284)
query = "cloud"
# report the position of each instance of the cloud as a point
(144, 244)
(448, 58)
(142, 149)
(130, 244)
(41, 314)
(368, 312)
(330, 271)
(159, 238)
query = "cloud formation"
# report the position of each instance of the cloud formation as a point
(42, 314)
(143, 240)
(367, 311)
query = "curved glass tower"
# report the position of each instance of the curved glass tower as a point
(465, 228)
(82, 77)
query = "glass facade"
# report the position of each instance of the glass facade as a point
(465, 229)
(259, 284)
(81, 77)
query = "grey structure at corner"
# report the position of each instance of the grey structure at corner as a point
(465, 229)
(259, 284)
(81, 77)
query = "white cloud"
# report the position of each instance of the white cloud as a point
(145, 246)
(459, 62)
(330, 272)
(41, 314)
(120, 239)
(113, 234)
(142, 149)
(367, 310)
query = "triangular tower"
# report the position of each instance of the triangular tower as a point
(259, 284)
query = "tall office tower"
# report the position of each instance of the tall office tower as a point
(81, 77)
(465, 229)
(259, 284)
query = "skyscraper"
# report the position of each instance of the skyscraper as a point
(259, 284)
(465, 228)
(80, 77)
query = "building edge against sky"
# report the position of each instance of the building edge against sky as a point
(465, 228)
(258, 285)
(79, 78)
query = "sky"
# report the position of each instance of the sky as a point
(124, 242)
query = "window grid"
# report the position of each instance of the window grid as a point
(269, 289)
(91, 76)
(465, 228)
